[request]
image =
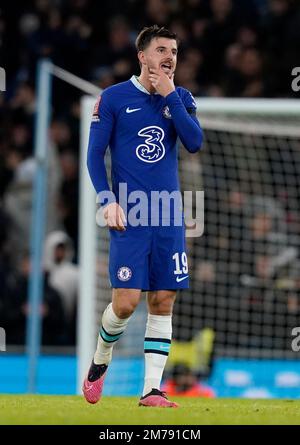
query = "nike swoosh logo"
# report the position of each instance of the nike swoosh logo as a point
(88, 387)
(132, 110)
(178, 279)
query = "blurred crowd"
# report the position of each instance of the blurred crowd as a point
(239, 48)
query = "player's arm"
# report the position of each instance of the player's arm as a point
(183, 111)
(184, 117)
(100, 133)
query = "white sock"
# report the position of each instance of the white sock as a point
(157, 344)
(111, 330)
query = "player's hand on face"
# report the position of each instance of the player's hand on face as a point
(163, 84)
(114, 216)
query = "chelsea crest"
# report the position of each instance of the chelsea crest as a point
(166, 112)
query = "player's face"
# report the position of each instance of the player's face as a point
(161, 53)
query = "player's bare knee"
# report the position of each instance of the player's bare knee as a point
(124, 311)
(161, 304)
(124, 302)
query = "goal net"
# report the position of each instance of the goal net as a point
(243, 300)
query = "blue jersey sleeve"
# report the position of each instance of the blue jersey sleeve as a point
(100, 134)
(183, 111)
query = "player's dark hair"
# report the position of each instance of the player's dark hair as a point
(152, 32)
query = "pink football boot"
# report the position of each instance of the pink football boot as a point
(157, 398)
(93, 383)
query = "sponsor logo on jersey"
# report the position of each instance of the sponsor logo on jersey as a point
(124, 273)
(152, 149)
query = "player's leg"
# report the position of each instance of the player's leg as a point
(114, 322)
(168, 270)
(128, 270)
(157, 345)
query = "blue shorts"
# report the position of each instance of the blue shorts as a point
(148, 258)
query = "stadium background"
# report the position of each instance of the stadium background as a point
(228, 48)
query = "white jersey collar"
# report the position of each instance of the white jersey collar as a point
(138, 85)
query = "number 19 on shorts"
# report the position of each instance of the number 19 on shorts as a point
(181, 263)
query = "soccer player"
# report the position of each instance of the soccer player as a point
(141, 120)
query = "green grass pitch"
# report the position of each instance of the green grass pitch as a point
(74, 410)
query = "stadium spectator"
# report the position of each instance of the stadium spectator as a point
(158, 11)
(68, 198)
(63, 276)
(18, 201)
(184, 382)
(17, 308)
(5, 266)
(117, 56)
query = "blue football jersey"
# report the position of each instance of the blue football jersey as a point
(142, 131)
